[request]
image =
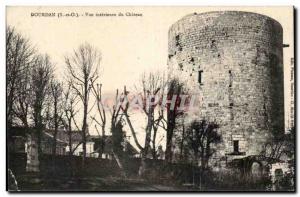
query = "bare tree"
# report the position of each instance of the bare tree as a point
(70, 101)
(117, 125)
(19, 55)
(21, 107)
(83, 68)
(182, 139)
(101, 111)
(151, 87)
(157, 123)
(175, 88)
(200, 136)
(278, 146)
(56, 91)
(42, 73)
(70, 111)
(169, 114)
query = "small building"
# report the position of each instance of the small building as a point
(107, 153)
(47, 144)
(19, 141)
(76, 140)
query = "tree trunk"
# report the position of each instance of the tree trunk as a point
(116, 156)
(168, 154)
(182, 142)
(39, 131)
(84, 149)
(54, 144)
(70, 137)
(143, 166)
(32, 164)
(207, 155)
(70, 146)
(154, 154)
(170, 131)
(55, 134)
(103, 141)
(38, 127)
(84, 125)
(10, 100)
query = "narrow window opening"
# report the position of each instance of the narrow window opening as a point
(235, 146)
(177, 40)
(200, 77)
(230, 79)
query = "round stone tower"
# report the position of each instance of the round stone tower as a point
(233, 62)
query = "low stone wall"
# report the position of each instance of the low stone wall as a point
(157, 170)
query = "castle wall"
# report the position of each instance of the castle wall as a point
(238, 56)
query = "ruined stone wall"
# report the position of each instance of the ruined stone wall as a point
(239, 58)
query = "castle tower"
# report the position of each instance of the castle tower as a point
(233, 61)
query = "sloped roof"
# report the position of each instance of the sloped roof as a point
(22, 132)
(63, 135)
(46, 134)
(108, 145)
(18, 131)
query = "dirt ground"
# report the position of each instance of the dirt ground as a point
(34, 183)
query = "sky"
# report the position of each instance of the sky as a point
(129, 45)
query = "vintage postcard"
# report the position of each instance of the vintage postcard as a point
(150, 99)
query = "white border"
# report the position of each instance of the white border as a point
(5, 3)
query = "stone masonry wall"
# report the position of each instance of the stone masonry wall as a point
(239, 58)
